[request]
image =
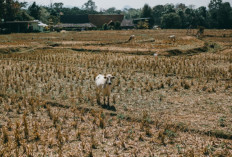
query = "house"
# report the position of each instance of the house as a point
(74, 27)
(18, 26)
(23, 26)
(127, 24)
(92, 21)
(74, 19)
(139, 20)
(99, 20)
(38, 26)
(74, 22)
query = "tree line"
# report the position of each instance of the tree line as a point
(217, 15)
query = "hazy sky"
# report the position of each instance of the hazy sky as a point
(120, 4)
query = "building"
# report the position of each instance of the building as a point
(92, 21)
(138, 20)
(74, 27)
(39, 26)
(100, 20)
(74, 19)
(127, 24)
(23, 26)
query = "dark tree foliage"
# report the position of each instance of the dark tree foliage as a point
(157, 13)
(147, 13)
(169, 8)
(9, 9)
(217, 15)
(90, 6)
(3, 9)
(34, 11)
(171, 20)
(112, 11)
(220, 14)
(117, 25)
(131, 13)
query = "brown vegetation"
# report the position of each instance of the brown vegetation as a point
(173, 104)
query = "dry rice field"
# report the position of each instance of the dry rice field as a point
(176, 104)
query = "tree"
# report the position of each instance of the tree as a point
(105, 26)
(169, 8)
(10, 10)
(131, 13)
(90, 6)
(72, 11)
(180, 12)
(24, 16)
(225, 15)
(147, 13)
(220, 14)
(3, 9)
(117, 25)
(202, 11)
(157, 12)
(215, 4)
(189, 17)
(54, 16)
(181, 6)
(171, 20)
(112, 10)
(34, 11)
(44, 15)
(58, 5)
(202, 17)
(23, 4)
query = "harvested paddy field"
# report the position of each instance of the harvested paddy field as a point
(178, 103)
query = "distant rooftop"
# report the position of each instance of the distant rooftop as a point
(99, 20)
(74, 25)
(21, 22)
(74, 19)
(144, 18)
(95, 19)
(127, 23)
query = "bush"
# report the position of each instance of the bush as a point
(143, 25)
(105, 26)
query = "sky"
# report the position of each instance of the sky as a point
(120, 4)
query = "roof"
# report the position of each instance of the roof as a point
(21, 22)
(127, 23)
(99, 20)
(74, 25)
(74, 19)
(145, 18)
(42, 24)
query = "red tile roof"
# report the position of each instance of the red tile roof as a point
(99, 20)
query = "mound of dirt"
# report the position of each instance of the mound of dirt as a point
(197, 50)
(175, 52)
